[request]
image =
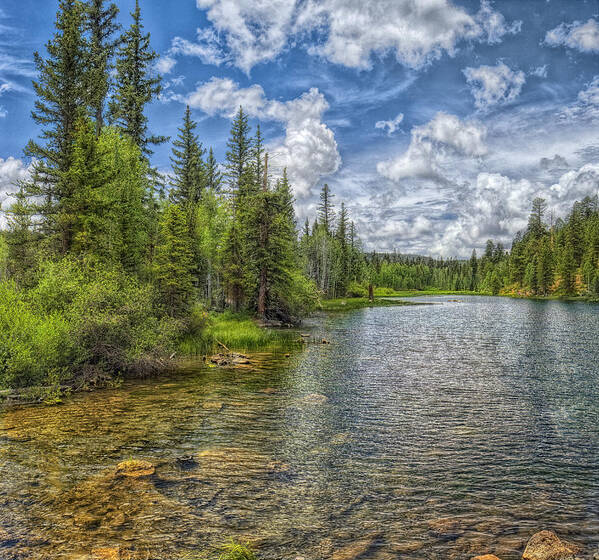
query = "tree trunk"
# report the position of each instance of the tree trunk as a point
(370, 292)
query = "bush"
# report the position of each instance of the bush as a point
(80, 322)
(357, 290)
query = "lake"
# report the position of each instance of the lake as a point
(431, 431)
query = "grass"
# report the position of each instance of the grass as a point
(237, 331)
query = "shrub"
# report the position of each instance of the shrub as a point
(357, 290)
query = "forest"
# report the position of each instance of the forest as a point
(108, 266)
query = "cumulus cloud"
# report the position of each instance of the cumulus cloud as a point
(352, 31)
(583, 37)
(12, 171)
(445, 135)
(494, 85)
(308, 150)
(254, 31)
(165, 64)
(391, 125)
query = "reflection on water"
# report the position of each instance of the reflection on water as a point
(447, 430)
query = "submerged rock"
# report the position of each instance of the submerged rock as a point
(354, 550)
(546, 545)
(106, 554)
(315, 398)
(212, 405)
(232, 359)
(446, 528)
(135, 468)
(269, 391)
(486, 557)
(407, 546)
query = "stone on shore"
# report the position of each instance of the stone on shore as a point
(546, 545)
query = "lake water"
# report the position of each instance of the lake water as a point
(448, 430)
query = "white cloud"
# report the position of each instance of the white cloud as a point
(583, 37)
(493, 85)
(12, 171)
(208, 47)
(445, 135)
(308, 151)
(257, 31)
(165, 64)
(254, 30)
(539, 71)
(590, 95)
(391, 125)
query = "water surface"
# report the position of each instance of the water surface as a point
(482, 413)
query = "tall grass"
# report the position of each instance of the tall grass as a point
(237, 332)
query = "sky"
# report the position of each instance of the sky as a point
(437, 122)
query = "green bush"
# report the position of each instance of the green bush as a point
(357, 290)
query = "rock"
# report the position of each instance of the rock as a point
(325, 341)
(305, 335)
(231, 359)
(287, 355)
(135, 468)
(340, 439)
(86, 521)
(486, 557)
(315, 398)
(354, 550)
(106, 554)
(212, 405)
(407, 546)
(269, 391)
(446, 528)
(546, 545)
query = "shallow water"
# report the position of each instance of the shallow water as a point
(484, 411)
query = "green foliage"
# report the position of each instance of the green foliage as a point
(136, 85)
(357, 290)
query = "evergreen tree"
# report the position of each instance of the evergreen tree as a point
(174, 262)
(473, 270)
(188, 167)
(102, 27)
(535, 222)
(61, 101)
(135, 85)
(213, 175)
(326, 213)
(239, 151)
(21, 238)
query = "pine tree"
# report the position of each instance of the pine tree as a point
(473, 270)
(174, 262)
(239, 153)
(102, 26)
(341, 236)
(213, 175)
(21, 238)
(188, 167)
(135, 85)
(61, 101)
(535, 222)
(326, 213)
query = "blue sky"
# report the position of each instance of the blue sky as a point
(436, 121)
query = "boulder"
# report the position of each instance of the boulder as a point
(486, 557)
(546, 545)
(135, 468)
